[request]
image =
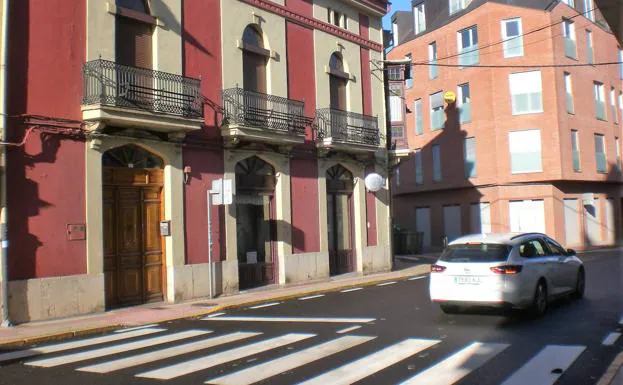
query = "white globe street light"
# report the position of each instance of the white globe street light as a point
(374, 182)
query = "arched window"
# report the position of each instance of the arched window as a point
(254, 60)
(340, 188)
(337, 82)
(130, 156)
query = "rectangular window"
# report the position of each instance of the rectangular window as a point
(569, 92)
(512, 37)
(600, 153)
(456, 5)
(590, 55)
(419, 117)
(469, 150)
(613, 105)
(480, 217)
(398, 132)
(468, 46)
(621, 64)
(525, 151)
(464, 103)
(433, 70)
(589, 10)
(408, 73)
(344, 21)
(395, 33)
(395, 108)
(600, 101)
(419, 18)
(621, 103)
(419, 176)
(568, 29)
(436, 163)
(575, 150)
(526, 92)
(436, 111)
(570, 3)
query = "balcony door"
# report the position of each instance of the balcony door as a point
(133, 48)
(255, 224)
(254, 61)
(337, 82)
(340, 188)
(133, 182)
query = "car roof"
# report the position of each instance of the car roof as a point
(511, 238)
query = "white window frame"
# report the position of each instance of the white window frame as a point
(570, 3)
(437, 173)
(589, 44)
(613, 105)
(605, 152)
(589, 10)
(571, 33)
(459, 37)
(395, 108)
(418, 113)
(459, 98)
(432, 58)
(575, 137)
(617, 143)
(534, 144)
(515, 85)
(569, 91)
(459, 5)
(510, 39)
(419, 9)
(599, 94)
(395, 33)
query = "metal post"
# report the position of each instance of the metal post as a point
(210, 192)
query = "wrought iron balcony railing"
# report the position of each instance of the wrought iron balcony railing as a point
(348, 127)
(254, 109)
(110, 84)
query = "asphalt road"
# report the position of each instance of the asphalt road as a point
(393, 333)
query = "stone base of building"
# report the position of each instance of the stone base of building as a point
(377, 259)
(192, 281)
(56, 297)
(306, 266)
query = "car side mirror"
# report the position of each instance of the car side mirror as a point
(570, 252)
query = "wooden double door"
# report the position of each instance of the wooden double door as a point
(133, 246)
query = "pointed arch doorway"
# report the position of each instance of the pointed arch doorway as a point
(255, 222)
(340, 187)
(133, 181)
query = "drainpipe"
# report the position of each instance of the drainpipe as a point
(4, 243)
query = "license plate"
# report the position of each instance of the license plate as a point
(467, 280)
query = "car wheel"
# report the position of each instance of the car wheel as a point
(449, 309)
(580, 285)
(539, 304)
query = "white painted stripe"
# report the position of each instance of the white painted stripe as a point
(215, 315)
(216, 359)
(311, 297)
(458, 365)
(353, 289)
(539, 369)
(292, 319)
(350, 329)
(611, 339)
(96, 353)
(135, 328)
(145, 358)
(75, 344)
(386, 283)
(265, 305)
(418, 277)
(289, 362)
(366, 366)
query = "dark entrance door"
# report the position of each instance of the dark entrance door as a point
(132, 207)
(339, 215)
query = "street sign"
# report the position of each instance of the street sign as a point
(222, 192)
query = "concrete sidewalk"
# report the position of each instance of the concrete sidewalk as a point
(38, 332)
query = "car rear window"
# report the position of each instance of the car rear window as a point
(482, 252)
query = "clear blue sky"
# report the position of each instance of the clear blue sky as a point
(397, 5)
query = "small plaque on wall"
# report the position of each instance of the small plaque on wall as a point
(165, 228)
(76, 232)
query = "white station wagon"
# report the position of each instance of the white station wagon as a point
(513, 270)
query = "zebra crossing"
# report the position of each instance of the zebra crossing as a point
(200, 352)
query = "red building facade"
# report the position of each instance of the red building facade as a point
(131, 109)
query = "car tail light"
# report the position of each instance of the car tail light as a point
(437, 269)
(507, 269)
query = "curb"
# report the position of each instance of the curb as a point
(612, 371)
(418, 271)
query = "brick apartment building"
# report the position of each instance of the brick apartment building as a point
(121, 114)
(533, 147)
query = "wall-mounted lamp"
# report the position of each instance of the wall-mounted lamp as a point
(187, 171)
